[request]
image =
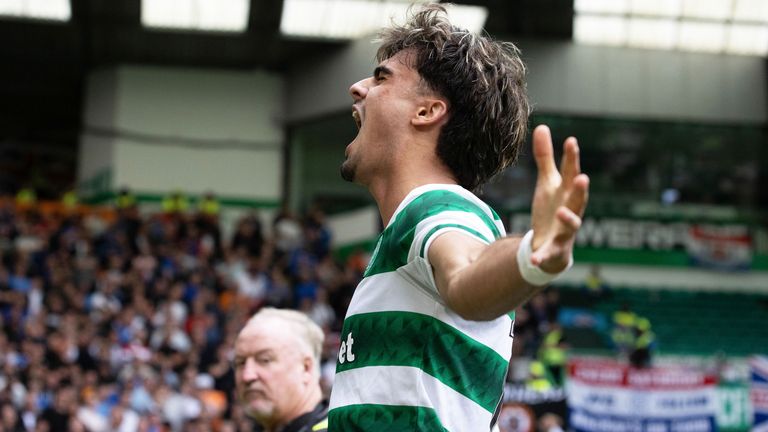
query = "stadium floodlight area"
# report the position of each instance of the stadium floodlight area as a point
(714, 26)
(45, 10)
(229, 16)
(352, 19)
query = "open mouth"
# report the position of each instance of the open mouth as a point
(356, 117)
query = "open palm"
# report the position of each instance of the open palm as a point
(558, 202)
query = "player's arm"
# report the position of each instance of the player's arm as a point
(482, 282)
(478, 281)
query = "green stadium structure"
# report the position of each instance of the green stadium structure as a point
(685, 322)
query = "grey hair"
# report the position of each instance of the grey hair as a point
(483, 81)
(309, 334)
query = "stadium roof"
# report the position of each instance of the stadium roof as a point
(45, 61)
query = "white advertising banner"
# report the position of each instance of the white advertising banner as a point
(606, 396)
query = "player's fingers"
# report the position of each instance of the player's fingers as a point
(570, 165)
(551, 259)
(543, 152)
(570, 223)
(539, 256)
(578, 195)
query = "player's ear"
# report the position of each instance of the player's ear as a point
(430, 112)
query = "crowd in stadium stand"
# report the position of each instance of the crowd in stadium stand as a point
(128, 325)
(126, 322)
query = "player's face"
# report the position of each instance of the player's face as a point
(383, 105)
(270, 374)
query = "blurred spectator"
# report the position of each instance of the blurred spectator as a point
(252, 281)
(10, 421)
(550, 422)
(69, 201)
(525, 334)
(553, 304)
(644, 340)
(125, 199)
(248, 236)
(595, 286)
(316, 233)
(330, 354)
(56, 417)
(288, 232)
(209, 205)
(552, 354)
(26, 198)
(306, 284)
(175, 202)
(129, 323)
(538, 378)
(623, 333)
(319, 310)
(539, 311)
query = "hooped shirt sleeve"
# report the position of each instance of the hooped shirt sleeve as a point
(462, 213)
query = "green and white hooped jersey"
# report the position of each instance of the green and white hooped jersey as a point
(407, 362)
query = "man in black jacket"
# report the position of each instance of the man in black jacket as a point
(277, 372)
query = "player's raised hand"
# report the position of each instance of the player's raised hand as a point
(558, 202)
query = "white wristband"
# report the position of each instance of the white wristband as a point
(532, 274)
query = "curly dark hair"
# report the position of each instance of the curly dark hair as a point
(483, 81)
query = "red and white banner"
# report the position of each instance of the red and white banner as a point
(726, 247)
(612, 397)
(759, 392)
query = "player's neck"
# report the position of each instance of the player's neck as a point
(390, 191)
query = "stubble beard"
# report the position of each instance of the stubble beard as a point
(347, 170)
(261, 413)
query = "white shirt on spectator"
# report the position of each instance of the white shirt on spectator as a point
(252, 286)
